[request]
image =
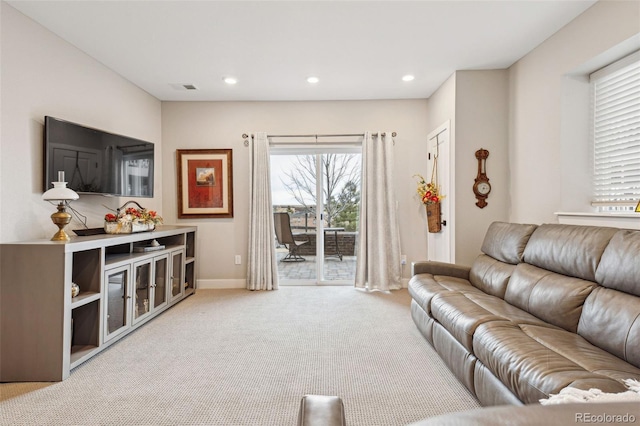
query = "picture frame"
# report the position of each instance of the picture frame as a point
(205, 183)
(638, 207)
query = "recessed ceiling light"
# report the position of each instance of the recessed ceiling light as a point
(408, 77)
(230, 80)
(313, 80)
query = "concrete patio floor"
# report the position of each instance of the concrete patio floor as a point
(334, 268)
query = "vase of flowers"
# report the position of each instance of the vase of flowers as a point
(430, 196)
(131, 220)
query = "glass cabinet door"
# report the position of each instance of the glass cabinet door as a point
(116, 297)
(161, 276)
(142, 292)
(177, 274)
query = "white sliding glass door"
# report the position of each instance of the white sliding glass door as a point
(318, 189)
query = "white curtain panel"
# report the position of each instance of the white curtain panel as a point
(262, 272)
(378, 264)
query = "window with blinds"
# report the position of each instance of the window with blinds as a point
(616, 133)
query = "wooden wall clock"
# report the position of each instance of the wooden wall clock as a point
(481, 185)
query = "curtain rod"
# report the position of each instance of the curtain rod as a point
(246, 136)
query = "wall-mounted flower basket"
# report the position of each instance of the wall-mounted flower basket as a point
(433, 217)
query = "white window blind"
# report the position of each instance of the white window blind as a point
(616, 132)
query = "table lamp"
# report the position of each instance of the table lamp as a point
(61, 218)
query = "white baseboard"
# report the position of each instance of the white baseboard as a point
(218, 284)
(242, 283)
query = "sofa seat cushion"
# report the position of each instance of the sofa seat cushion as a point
(523, 358)
(507, 311)
(460, 313)
(578, 350)
(460, 316)
(423, 287)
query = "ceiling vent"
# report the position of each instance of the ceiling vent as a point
(181, 86)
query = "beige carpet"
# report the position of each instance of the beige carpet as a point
(234, 357)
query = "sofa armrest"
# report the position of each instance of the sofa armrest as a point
(440, 268)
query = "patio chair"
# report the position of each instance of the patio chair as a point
(285, 237)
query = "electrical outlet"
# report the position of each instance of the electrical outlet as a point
(238, 259)
(403, 259)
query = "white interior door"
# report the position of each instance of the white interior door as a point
(440, 245)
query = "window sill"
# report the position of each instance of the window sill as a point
(627, 220)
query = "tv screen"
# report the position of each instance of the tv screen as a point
(95, 161)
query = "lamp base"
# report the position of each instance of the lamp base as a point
(61, 218)
(60, 236)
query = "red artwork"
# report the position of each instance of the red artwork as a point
(205, 183)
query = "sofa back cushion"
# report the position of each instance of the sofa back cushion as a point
(502, 248)
(611, 320)
(570, 250)
(490, 275)
(554, 298)
(506, 241)
(619, 267)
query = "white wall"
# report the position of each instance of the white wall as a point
(482, 111)
(477, 103)
(200, 125)
(44, 75)
(540, 159)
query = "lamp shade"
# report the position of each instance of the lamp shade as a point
(60, 192)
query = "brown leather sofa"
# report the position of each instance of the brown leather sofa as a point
(322, 410)
(610, 413)
(541, 308)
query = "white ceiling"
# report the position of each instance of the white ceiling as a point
(358, 49)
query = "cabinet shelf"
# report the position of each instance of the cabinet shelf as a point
(80, 353)
(112, 260)
(83, 298)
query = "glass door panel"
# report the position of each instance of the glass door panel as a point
(293, 190)
(142, 293)
(341, 173)
(177, 274)
(117, 282)
(161, 273)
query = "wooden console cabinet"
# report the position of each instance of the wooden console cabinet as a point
(45, 332)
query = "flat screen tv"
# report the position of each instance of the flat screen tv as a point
(97, 162)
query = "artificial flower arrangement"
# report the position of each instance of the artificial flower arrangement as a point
(131, 220)
(429, 192)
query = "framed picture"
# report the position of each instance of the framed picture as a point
(205, 183)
